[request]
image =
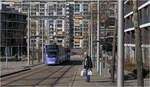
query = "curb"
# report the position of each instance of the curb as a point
(8, 74)
(26, 68)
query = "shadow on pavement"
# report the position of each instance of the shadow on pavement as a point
(67, 63)
(130, 76)
(133, 75)
(72, 62)
(101, 81)
(10, 59)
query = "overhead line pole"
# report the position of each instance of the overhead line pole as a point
(28, 40)
(91, 33)
(120, 67)
(98, 68)
(42, 39)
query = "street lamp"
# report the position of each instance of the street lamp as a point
(28, 38)
(42, 41)
(120, 67)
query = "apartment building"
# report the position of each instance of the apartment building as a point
(63, 21)
(107, 17)
(51, 17)
(82, 23)
(13, 32)
(47, 18)
(144, 22)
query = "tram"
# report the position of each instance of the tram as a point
(55, 54)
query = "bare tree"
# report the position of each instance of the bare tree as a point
(138, 49)
(114, 50)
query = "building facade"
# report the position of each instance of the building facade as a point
(46, 18)
(144, 22)
(62, 21)
(82, 23)
(13, 32)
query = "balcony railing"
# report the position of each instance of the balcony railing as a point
(141, 2)
(129, 25)
(127, 9)
(145, 20)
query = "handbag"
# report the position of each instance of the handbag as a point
(83, 72)
(89, 72)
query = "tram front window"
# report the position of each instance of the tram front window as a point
(51, 54)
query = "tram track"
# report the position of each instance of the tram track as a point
(21, 73)
(49, 73)
(53, 73)
(44, 76)
(59, 78)
(21, 76)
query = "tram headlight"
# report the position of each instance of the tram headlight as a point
(46, 55)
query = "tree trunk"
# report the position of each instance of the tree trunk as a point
(138, 50)
(114, 50)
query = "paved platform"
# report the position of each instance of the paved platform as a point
(102, 81)
(96, 79)
(67, 75)
(14, 67)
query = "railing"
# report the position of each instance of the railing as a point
(129, 42)
(129, 25)
(141, 2)
(146, 19)
(127, 9)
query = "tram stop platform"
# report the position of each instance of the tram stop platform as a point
(96, 79)
(103, 80)
(13, 67)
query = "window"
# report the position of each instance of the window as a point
(112, 21)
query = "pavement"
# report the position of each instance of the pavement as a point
(104, 80)
(13, 67)
(96, 79)
(75, 80)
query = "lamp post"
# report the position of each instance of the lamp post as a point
(98, 61)
(28, 38)
(120, 67)
(42, 40)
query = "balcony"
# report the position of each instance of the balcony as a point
(145, 20)
(59, 28)
(33, 5)
(25, 13)
(78, 37)
(33, 20)
(78, 17)
(77, 21)
(129, 25)
(128, 8)
(85, 40)
(142, 2)
(59, 43)
(77, 41)
(76, 25)
(42, 9)
(94, 9)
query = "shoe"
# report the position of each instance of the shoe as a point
(87, 81)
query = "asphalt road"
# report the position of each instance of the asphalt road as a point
(44, 76)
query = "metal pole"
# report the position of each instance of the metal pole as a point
(91, 34)
(42, 39)
(28, 40)
(120, 45)
(98, 36)
(6, 55)
(48, 32)
(89, 42)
